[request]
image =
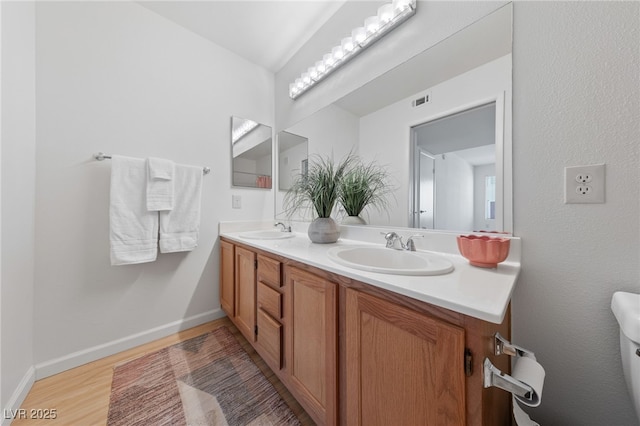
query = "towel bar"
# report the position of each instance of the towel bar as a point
(100, 156)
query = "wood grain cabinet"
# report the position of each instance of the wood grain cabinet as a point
(245, 292)
(269, 333)
(402, 367)
(227, 278)
(311, 343)
(355, 354)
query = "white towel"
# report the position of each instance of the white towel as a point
(179, 227)
(133, 229)
(159, 184)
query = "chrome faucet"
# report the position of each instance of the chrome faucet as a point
(394, 241)
(410, 245)
(284, 227)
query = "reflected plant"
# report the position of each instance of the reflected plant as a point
(365, 185)
(318, 189)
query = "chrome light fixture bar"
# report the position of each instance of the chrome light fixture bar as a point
(389, 16)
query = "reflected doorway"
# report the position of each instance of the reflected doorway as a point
(454, 171)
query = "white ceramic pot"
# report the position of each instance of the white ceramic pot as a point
(324, 230)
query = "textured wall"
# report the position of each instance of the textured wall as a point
(576, 92)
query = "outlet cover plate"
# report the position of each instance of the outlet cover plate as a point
(584, 184)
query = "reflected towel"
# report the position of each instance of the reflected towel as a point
(159, 184)
(179, 227)
(133, 234)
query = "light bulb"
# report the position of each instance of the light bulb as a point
(359, 35)
(313, 73)
(328, 60)
(337, 53)
(400, 5)
(321, 67)
(293, 89)
(306, 78)
(299, 83)
(385, 13)
(347, 45)
(372, 25)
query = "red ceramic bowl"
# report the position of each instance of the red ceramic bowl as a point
(483, 251)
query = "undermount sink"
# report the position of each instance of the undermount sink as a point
(266, 235)
(389, 261)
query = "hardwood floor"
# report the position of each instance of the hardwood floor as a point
(81, 396)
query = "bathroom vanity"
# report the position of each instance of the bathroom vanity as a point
(353, 352)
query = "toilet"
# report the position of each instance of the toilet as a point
(626, 308)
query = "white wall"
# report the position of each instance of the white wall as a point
(118, 78)
(385, 134)
(18, 200)
(576, 91)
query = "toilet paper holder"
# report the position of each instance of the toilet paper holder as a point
(503, 346)
(494, 377)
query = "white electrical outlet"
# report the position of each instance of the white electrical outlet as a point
(236, 201)
(584, 184)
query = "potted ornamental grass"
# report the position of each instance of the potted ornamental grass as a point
(364, 185)
(318, 190)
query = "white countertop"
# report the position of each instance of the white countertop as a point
(476, 292)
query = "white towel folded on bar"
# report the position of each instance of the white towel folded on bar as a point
(133, 229)
(159, 184)
(179, 228)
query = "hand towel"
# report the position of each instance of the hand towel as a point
(179, 227)
(159, 184)
(133, 229)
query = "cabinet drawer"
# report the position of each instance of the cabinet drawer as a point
(269, 300)
(269, 340)
(269, 271)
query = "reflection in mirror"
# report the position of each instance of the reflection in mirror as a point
(251, 149)
(454, 171)
(292, 158)
(378, 121)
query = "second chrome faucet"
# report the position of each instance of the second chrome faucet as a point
(394, 241)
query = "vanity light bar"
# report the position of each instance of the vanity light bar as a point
(389, 16)
(239, 132)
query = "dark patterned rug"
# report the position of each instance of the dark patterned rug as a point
(207, 380)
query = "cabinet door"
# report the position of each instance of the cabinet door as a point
(227, 283)
(245, 303)
(311, 343)
(402, 367)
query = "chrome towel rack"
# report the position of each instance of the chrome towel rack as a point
(101, 156)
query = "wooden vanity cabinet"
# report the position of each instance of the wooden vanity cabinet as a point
(245, 292)
(269, 331)
(401, 367)
(227, 278)
(311, 343)
(355, 354)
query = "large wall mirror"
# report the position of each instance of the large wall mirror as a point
(252, 153)
(441, 122)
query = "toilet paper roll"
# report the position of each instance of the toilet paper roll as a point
(529, 371)
(521, 418)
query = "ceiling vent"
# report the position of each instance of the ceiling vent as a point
(421, 100)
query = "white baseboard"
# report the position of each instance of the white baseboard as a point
(11, 411)
(76, 359)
